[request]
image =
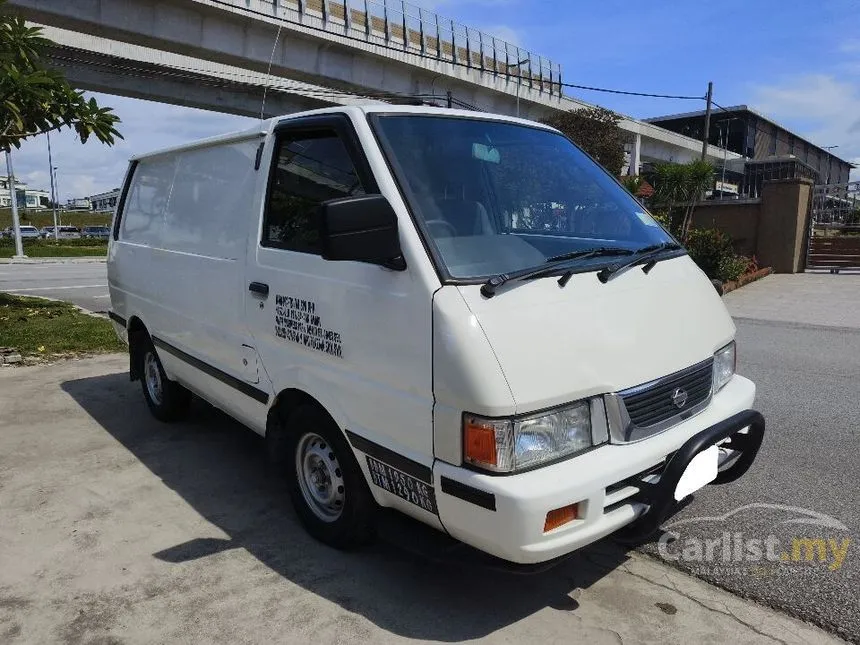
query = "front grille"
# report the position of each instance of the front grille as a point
(652, 403)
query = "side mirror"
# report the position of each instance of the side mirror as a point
(361, 229)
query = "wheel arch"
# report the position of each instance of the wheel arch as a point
(277, 427)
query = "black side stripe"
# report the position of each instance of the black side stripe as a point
(383, 454)
(465, 492)
(117, 319)
(245, 388)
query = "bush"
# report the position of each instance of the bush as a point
(732, 267)
(712, 250)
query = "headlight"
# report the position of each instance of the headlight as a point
(724, 366)
(506, 445)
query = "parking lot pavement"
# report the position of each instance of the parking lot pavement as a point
(118, 529)
(802, 298)
(81, 283)
(799, 340)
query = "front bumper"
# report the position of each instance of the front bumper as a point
(614, 485)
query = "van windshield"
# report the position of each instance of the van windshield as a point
(493, 197)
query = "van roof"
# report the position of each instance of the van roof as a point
(262, 128)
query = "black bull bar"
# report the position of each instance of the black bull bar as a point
(660, 495)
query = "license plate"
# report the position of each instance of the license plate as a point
(403, 485)
(701, 470)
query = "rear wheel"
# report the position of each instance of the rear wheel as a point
(326, 484)
(167, 400)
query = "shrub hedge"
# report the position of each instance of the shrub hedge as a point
(712, 250)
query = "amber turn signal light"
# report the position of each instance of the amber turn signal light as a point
(480, 443)
(560, 517)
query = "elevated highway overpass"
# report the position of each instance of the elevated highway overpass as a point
(221, 54)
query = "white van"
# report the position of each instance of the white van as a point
(454, 314)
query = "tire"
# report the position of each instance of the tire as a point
(326, 485)
(167, 400)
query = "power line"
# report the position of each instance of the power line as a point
(627, 93)
(717, 105)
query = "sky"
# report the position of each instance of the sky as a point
(797, 61)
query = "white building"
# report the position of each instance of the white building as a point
(78, 204)
(27, 197)
(104, 201)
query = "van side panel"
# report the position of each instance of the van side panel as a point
(133, 291)
(200, 259)
(181, 253)
(199, 265)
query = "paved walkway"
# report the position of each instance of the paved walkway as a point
(805, 298)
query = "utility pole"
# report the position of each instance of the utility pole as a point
(53, 192)
(57, 184)
(16, 225)
(707, 120)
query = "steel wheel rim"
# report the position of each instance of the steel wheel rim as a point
(320, 477)
(152, 377)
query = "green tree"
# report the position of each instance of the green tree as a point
(35, 99)
(595, 130)
(677, 190)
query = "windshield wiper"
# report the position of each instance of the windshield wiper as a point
(488, 289)
(590, 253)
(645, 253)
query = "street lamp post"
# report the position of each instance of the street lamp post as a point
(724, 138)
(53, 192)
(519, 79)
(56, 181)
(16, 225)
(829, 162)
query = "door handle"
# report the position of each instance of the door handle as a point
(259, 287)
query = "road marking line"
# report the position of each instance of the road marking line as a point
(105, 296)
(77, 286)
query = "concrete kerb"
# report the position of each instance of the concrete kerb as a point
(82, 260)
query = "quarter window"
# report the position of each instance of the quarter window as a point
(311, 168)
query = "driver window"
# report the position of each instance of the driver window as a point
(311, 168)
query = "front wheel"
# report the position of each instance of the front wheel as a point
(327, 487)
(167, 400)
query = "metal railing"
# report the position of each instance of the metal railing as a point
(399, 25)
(837, 204)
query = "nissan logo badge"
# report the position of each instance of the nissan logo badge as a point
(679, 397)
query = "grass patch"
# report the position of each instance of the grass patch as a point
(40, 218)
(51, 249)
(37, 327)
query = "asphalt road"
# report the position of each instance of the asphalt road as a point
(799, 340)
(84, 284)
(808, 379)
